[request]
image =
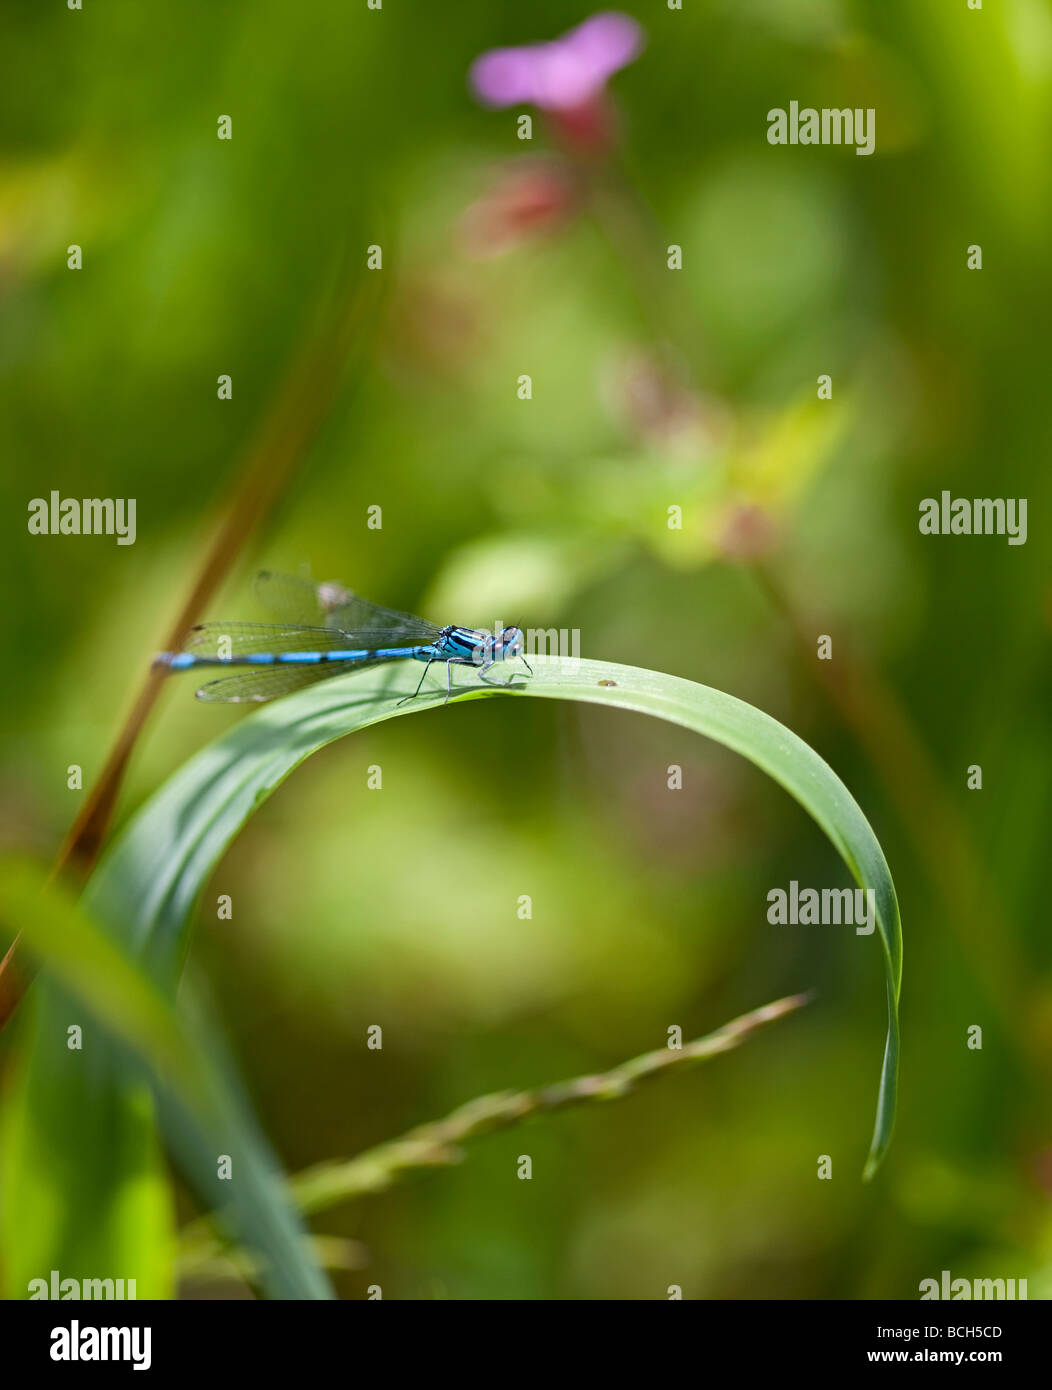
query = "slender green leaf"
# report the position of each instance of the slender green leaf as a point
(152, 878)
(85, 1191)
(84, 1186)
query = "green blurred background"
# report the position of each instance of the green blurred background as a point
(353, 127)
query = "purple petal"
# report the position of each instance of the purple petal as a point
(562, 74)
(606, 42)
(563, 81)
(505, 76)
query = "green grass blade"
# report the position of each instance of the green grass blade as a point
(85, 1191)
(151, 880)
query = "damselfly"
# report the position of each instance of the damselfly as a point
(326, 631)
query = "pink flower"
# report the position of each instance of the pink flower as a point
(563, 75)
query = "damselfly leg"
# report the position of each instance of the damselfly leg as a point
(499, 685)
(420, 683)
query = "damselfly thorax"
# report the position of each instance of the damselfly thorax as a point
(466, 644)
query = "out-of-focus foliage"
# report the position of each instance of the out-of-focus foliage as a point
(397, 906)
(84, 1183)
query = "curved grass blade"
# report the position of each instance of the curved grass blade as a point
(154, 874)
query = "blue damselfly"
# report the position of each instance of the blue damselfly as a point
(326, 631)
